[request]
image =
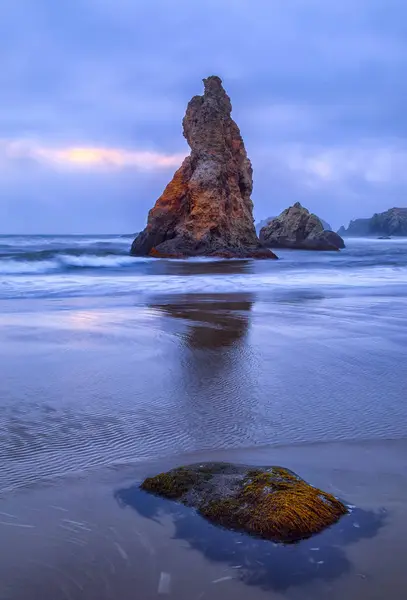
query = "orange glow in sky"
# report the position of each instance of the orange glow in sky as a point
(89, 157)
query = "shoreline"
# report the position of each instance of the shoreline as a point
(93, 536)
(303, 454)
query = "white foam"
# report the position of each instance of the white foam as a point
(16, 267)
(80, 284)
(87, 260)
(63, 261)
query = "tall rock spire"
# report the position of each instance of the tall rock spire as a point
(206, 209)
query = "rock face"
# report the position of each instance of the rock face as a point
(392, 222)
(268, 502)
(297, 228)
(264, 222)
(333, 238)
(206, 209)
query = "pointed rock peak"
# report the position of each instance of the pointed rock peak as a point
(298, 205)
(213, 85)
(206, 209)
(215, 92)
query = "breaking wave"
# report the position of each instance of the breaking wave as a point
(65, 262)
(70, 266)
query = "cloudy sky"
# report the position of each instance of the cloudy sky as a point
(93, 93)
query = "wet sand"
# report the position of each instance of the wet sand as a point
(89, 382)
(95, 536)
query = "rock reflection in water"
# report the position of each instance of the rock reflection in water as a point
(258, 562)
(211, 365)
(200, 267)
(213, 321)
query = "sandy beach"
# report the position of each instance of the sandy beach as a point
(97, 536)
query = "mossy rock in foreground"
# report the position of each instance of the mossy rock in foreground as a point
(269, 502)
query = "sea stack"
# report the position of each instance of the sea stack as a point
(206, 210)
(297, 228)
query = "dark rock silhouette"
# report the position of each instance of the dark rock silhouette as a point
(206, 210)
(392, 222)
(325, 225)
(263, 223)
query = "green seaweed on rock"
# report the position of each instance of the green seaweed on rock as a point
(175, 484)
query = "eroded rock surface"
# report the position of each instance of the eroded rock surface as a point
(206, 209)
(297, 228)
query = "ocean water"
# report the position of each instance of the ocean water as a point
(83, 266)
(109, 359)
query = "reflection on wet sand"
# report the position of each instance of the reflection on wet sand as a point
(213, 321)
(258, 562)
(212, 365)
(204, 267)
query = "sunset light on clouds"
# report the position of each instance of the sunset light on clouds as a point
(88, 157)
(94, 93)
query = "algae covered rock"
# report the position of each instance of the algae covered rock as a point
(268, 502)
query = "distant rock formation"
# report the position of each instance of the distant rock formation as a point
(392, 222)
(297, 228)
(263, 223)
(206, 209)
(326, 225)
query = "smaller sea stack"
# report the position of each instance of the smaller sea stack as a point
(297, 228)
(206, 210)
